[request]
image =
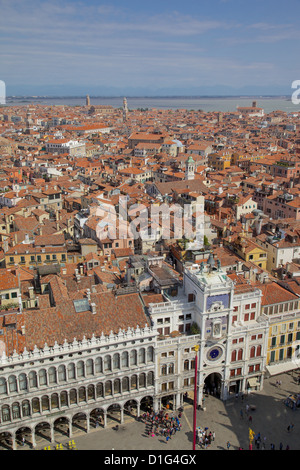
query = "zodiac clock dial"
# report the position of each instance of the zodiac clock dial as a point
(214, 353)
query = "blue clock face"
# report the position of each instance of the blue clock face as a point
(214, 353)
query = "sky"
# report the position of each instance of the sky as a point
(137, 48)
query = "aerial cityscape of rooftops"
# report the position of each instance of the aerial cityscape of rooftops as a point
(134, 307)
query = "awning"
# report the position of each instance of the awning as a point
(281, 368)
(253, 382)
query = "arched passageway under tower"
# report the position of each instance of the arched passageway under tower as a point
(213, 385)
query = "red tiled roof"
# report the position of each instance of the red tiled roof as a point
(7, 280)
(62, 322)
(273, 293)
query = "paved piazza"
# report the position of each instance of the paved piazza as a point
(271, 419)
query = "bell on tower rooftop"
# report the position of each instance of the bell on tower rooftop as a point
(211, 260)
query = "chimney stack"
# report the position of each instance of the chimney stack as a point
(93, 307)
(31, 292)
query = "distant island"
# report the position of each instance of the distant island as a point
(35, 97)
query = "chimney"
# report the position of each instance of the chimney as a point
(93, 307)
(88, 294)
(239, 265)
(5, 245)
(31, 292)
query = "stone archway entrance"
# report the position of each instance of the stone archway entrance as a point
(24, 437)
(114, 414)
(61, 426)
(79, 423)
(43, 433)
(97, 418)
(147, 403)
(130, 408)
(213, 385)
(6, 441)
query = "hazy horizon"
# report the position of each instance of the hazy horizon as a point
(153, 96)
(205, 104)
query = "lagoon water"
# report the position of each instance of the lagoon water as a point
(207, 104)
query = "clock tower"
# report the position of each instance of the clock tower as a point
(213, 295)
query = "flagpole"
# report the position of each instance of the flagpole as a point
(196, 348)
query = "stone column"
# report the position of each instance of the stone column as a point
(224, 390)
(177, 400)
(52, 433)
(33, 439)
(14, 443)
(87, 424)
(70, 429)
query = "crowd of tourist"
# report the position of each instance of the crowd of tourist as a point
(204, 437)
(162, 423)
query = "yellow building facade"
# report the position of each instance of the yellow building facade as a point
(249, 251)
(219, 161)
(282, 308)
